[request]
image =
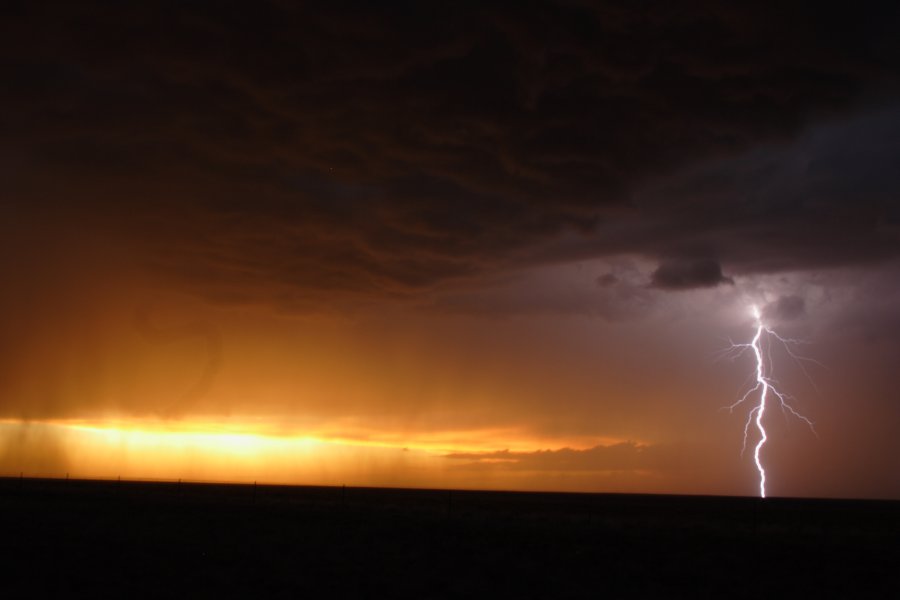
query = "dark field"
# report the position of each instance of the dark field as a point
(86, 538)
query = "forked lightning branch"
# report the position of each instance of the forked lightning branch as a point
(764, 389)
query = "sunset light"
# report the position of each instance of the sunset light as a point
(431, 299)
(229, 452)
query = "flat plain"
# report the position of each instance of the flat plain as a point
(125, 539)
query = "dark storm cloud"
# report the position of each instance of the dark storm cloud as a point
(685, 274)
(828, 198)
(299, 156)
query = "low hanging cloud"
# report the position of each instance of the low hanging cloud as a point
(686, 274)
(625, 456)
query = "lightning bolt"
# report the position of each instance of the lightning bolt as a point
(765, 386)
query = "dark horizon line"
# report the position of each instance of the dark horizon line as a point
(274, 485)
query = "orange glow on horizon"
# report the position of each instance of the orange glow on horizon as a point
(249, 451)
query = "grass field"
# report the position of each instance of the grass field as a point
(88, 538)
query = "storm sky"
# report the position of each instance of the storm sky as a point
(493, 245)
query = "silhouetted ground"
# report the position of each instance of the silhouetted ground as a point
(88, 538)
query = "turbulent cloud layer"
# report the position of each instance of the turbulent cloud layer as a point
(302, 156)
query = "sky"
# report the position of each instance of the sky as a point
(458, 245)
